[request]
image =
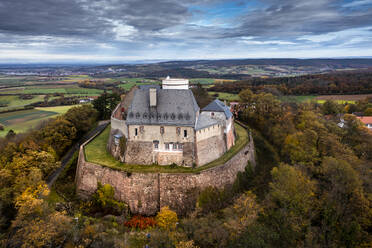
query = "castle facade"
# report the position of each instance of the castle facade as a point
(164, 125)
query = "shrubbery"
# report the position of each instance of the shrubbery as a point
(140, 222)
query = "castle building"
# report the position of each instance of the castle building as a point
(164, 125)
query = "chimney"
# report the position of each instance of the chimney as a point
(152, 97)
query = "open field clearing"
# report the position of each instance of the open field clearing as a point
(202, 80)
(343, 97)
(14, 102)
(224, 96)
(21, 121)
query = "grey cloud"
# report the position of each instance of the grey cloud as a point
(290, 18)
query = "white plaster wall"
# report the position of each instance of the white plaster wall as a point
(205, 133)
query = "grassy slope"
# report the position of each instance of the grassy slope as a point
(96, 152)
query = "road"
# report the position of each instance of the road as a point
(65, 159)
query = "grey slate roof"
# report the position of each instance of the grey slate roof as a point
(174, 107)
(218, 106)
(204, 121)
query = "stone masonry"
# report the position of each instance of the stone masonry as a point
(146, 193)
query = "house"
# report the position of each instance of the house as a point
(366, 120)
(164, 125)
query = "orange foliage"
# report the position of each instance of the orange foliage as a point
(140, 222)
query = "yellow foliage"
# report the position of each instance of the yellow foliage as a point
(166, 218)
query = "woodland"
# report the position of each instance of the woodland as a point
(311, 186)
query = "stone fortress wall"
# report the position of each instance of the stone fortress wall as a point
(146, 193)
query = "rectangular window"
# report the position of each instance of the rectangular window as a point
(161, 130)
(171, 146)
(156, 144)
(180, 147)
(178, 130)
(142, 129)
(166, 146)
(135, 132)
(185, 133)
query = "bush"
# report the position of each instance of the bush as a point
(166, 218)
(212, 199)
(140, 222)
(104, 200)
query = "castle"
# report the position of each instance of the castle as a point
(164, 125)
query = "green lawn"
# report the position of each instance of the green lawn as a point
(96, 152)
(21, 121)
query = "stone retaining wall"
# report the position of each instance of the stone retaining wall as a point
(146, 193)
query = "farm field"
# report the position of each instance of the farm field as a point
(21, 121)
(14, 102)
(202, 80)
(321, 99)
(225, 96)
(51, 89)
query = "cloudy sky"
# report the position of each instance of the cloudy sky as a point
(127, 30)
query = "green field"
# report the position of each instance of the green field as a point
(96, 152)
(14, 102)
(51, 89)
(202, 80)
(225, 96)
(297, 99)
(21, 121)
(303, 99)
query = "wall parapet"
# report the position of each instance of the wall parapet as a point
(146, 193)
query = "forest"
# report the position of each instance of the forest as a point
(357, 82)
(311, 186)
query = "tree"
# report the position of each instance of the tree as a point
(104, 199)
(167, 218)
(331, 108)
(368, 112)
(345, 211)
(289, 206)
(36, 224)
(82, 117)
(301, 147)
(58, 134)
(201, 96)
(105, 104)
(11, 134)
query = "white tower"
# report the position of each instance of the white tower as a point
(175, 83)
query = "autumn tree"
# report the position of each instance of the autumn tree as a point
(36, 224)
(166, 218)
(289, 206)
(82, 117)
